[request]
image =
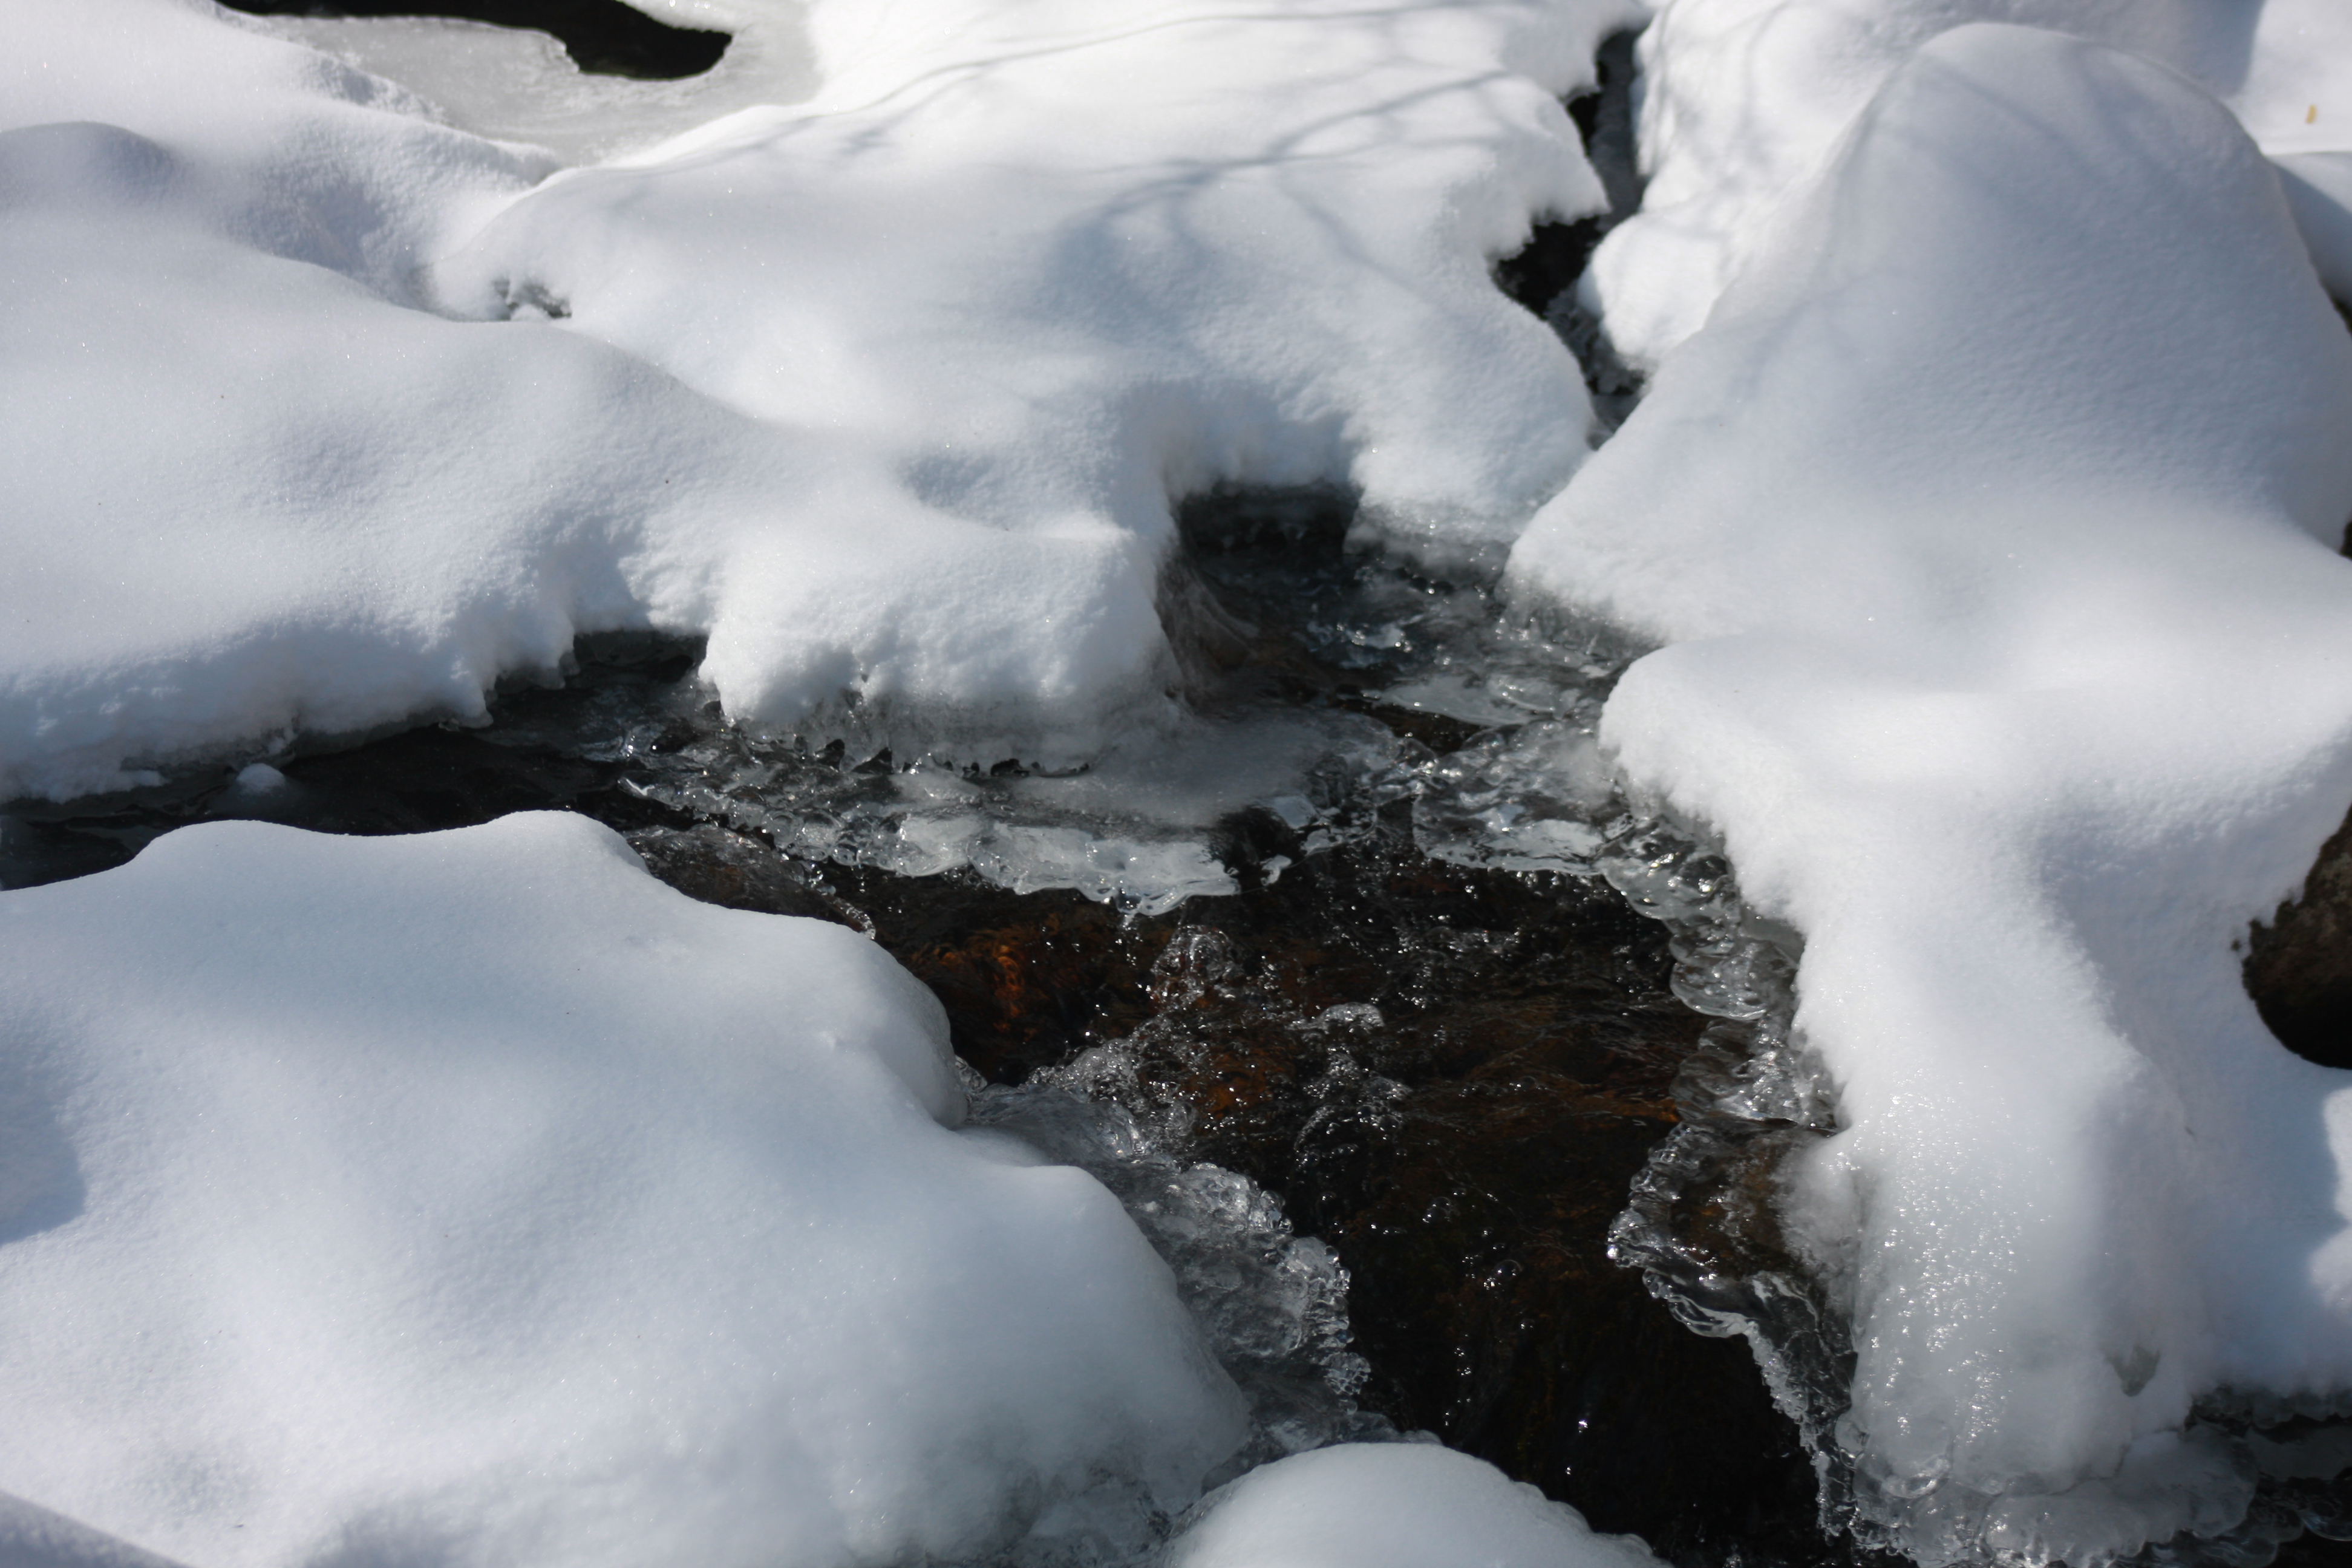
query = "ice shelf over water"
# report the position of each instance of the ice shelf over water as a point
(1991, 523)
(474, 1198)
(1744, 100)
(887, 387)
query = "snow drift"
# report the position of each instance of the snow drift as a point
(1991, 521)
(1743, 100)
(887, 390)
(473, 1197)
(1396, 1505)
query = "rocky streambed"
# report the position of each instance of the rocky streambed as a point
(1453, 1086)
(1464, 1068)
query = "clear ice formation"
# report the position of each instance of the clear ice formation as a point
(887, 384)
(511, 84)
(1990, 526)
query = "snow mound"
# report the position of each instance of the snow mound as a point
(1392, 1505)
(1991, 522)
(35, 1537)
(887, 391)
(473, 1197)
(1743, 102)
(2318, 188)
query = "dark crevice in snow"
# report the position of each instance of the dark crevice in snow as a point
(1542, 275)
(1554, 257)
(604, 36)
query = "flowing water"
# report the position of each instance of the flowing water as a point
(1452, 1084)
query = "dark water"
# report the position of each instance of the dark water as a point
(1456, 1074)
(1476, 1078)
(1451, 1073)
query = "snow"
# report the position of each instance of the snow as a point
(1743, 100)
(886, 390)
(511, 84)
(1990, 524)
(473, 1197)
(1392, 1505)
(35, 1537)
(2318, 188)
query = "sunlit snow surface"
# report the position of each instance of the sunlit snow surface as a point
(1407, 1505)
(1991, 522)
(887, 389)
(1988, 522)
(1743, 99)
(474, 1197)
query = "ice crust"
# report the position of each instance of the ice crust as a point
(886, 390)
(473, 1197)
(1395, 1505)
(1991, 522)
(512, 84)
(1744, 100)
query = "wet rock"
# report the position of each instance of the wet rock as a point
(2299, 966)
(1450, 1075)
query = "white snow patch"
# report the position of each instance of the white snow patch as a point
(474, 1197)
(887, 391)
(1392, 1505)
(1991, 521)
(1743, 100)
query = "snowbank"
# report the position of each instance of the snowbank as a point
(1743, 100)
(2318, 188)
(473, 1197)
(35, 1537)
(1392, 1505)
(887, 390)
(1991, 521)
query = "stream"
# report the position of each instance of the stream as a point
(1451, 1083)
(1326, 979)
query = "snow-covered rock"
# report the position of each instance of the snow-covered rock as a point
(1392, 1505)
(473, 1198)
(1991, 521)
(1743, 102)
(886, 390)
